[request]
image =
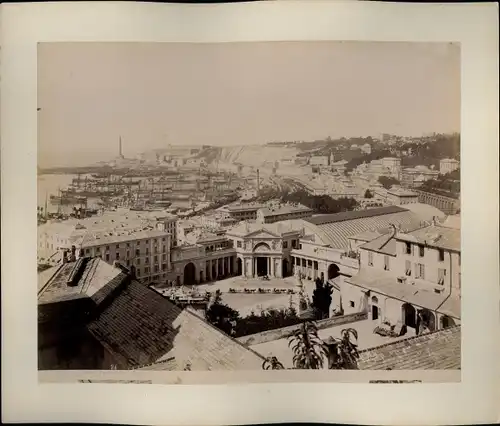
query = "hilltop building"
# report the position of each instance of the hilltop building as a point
(448, 165)
(413, 177)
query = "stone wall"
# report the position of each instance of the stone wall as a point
(284, 332)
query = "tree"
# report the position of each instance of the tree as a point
(388, 182)
(309, 351)
(322, 299)
(343, 353)
(272, 363)
(368, 194)
(221, 315)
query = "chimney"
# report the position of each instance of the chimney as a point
(73, 254)
(65, 256)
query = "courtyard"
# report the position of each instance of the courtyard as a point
(246, 303)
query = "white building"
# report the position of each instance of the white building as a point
(408, 279)
(366, 148)
(319, 160)
(399, 196)
(139, 239)
(448, 165)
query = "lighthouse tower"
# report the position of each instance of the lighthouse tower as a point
(120, 152)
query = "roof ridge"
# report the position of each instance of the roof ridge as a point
(225, 334)
(408, 339)
(49, 281)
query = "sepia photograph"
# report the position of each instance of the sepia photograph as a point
(249, 206)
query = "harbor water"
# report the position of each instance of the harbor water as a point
(51, 185)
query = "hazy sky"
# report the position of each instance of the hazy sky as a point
(237, 93)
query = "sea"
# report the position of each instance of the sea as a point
(51, 184)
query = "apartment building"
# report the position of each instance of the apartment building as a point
(243, 211)
(140, 239)
(410, 279)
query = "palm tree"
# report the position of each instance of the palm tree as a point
(272, 363)
(308, 349)
(342, 353)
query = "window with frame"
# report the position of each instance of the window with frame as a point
(146, 270)
(138, 261)
(420, 271)
(238, 244)
(147, 259)
(370, 258)
(441, 255)
(351, 304)
(408, 248)
(164, 266)
(421, 251)
(137, 252)
(441, 276)
(107, 257)
(408, 268)
(285, 244)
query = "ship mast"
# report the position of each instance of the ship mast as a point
(46, 214)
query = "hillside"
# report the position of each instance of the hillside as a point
(251, 155)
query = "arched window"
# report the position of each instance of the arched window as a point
(374, 299)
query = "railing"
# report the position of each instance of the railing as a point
(284, 332)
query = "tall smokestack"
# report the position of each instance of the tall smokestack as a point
(258, 181)
(120, 148)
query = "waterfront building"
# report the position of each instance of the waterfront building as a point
(448, 165)
(94, 316)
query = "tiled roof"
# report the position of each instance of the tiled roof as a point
(340, 217)
(278, 228)
(285, 210)
(336, 229)
(134, 323)
(366, 236)
(434, 236)
(385, 244)
(143, 328)
(94, 275)
(244, 207)
(383, 283)
(440, 350)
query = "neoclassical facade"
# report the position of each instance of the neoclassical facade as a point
(264, 249)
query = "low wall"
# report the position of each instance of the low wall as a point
(284, 332)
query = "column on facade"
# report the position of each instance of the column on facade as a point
(254, 269)
(272, 271)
